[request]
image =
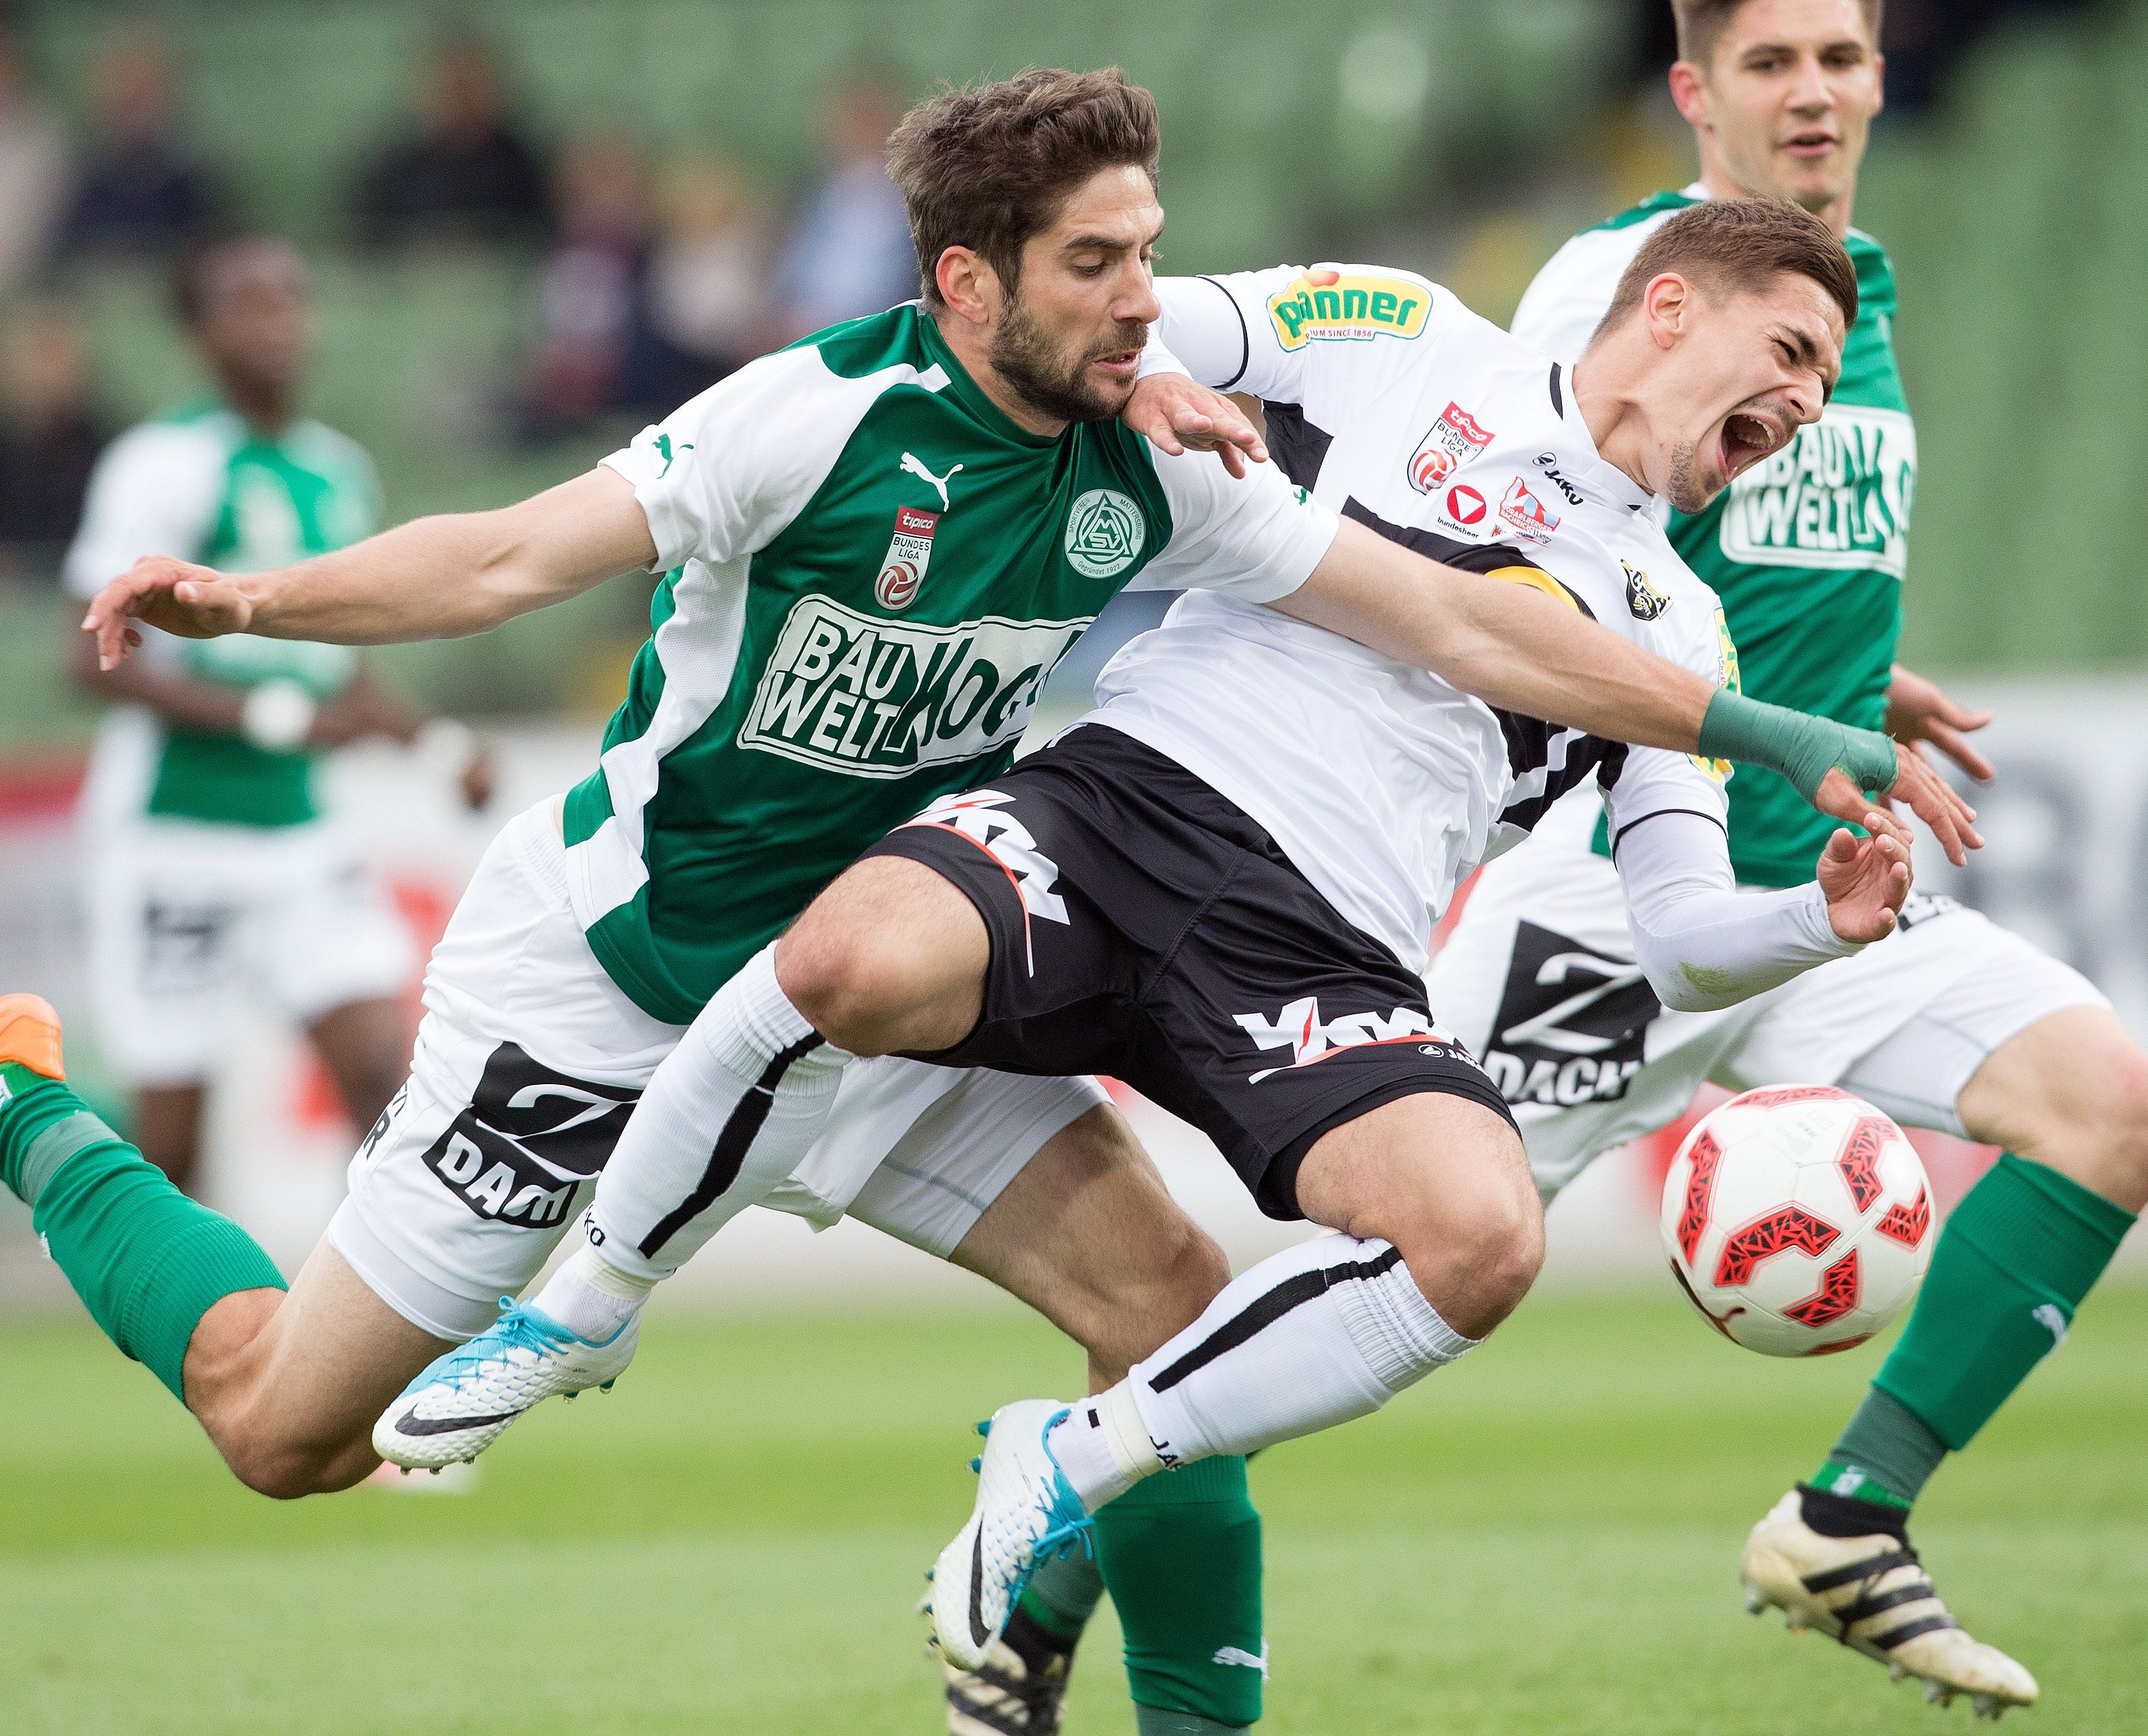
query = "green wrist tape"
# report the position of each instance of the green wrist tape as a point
(1804, 749)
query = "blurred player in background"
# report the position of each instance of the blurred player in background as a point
(213, 875)
(1954, 1024)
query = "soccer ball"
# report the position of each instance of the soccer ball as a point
(1798, 1220)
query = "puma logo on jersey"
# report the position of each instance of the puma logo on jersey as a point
(2049, 1316)
(664, 446)
(1310, 1038)
(1243, 1658)
(913, 465)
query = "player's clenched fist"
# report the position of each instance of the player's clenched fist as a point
(176, 596)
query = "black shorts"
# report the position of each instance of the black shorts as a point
(1144, 927)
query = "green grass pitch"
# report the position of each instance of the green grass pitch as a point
(1542, 1539)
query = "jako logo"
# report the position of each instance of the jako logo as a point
(1310, 1038)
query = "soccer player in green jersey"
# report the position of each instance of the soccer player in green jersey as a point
(1953, 1023)
(876, 544)
(213, 871)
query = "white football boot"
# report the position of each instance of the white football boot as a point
(1871, 1593)
(1026, 1513)
(464, 1401)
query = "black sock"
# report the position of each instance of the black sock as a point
(1846, 1516)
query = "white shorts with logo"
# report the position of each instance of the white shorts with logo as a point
(1539, 980)
(528, 1064)
(188, 920)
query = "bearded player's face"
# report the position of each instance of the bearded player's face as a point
(1069, 338)
(1789, 94)
(1735, 376)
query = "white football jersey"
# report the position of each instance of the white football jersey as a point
(1398, 407)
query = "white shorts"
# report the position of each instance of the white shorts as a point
(528, 1063)
(1539, 980)
(187, 920)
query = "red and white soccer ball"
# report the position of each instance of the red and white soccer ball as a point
(1798, 1219)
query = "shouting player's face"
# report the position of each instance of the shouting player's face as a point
(1068, 340)
(1785, 104)
(1735, 377)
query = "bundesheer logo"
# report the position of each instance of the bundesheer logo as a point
(1104, 534)
(908, 555)
(872, 697)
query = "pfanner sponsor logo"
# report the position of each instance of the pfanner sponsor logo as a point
(873, 698)
(1837, 496)
(1324, 304)
(1311, 1038)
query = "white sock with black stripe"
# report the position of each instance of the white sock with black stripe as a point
(732, 1112)
(1320, 1333)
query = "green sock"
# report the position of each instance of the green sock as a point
(147, 1262)
(1180, 1555)
(1063, 1595)
(2019, 1253)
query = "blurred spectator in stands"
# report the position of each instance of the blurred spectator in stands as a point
(50, 435)
(142, 190)
(707, 282)
(33, 170)
(469, 171)
(849, 252)
(589, 288)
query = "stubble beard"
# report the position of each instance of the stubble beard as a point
(1683, 490)
(1025, 358)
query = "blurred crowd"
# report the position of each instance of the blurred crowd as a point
(650, 276)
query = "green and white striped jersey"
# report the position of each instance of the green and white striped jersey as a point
(1807, 549)
(872, 573)
(202, 485)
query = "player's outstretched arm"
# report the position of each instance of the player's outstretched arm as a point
(1705, 944)
(1516, 649)
(437, 578)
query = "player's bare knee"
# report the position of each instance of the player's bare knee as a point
(1192, 1271)
(1474, 1251)
(2119, 1129)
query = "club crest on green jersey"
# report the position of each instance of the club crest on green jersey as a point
(1104, 534)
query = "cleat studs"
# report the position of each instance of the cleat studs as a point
(977, 1464)
(984, 1427)
(1985, 1706)
(1755, 1600)
(1796, 1620)
(1939, 1695)
(1895, 1673)
(607, 1386)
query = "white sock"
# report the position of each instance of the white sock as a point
(1316, 1335)
(591, 1297)
(732, 1112)
(1103, 1447)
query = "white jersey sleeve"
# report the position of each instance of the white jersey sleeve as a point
(1561, 308)
(1703, 943)
(1282, 333)
(724, 473)
(1255, 537)
(155, 490)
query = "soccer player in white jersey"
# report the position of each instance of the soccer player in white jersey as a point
(1954, 1024)
(214, 870)
(1172, 895)
(879, 541)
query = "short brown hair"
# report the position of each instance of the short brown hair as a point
(1701, 24)
(1737, 245)
(989, 166)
